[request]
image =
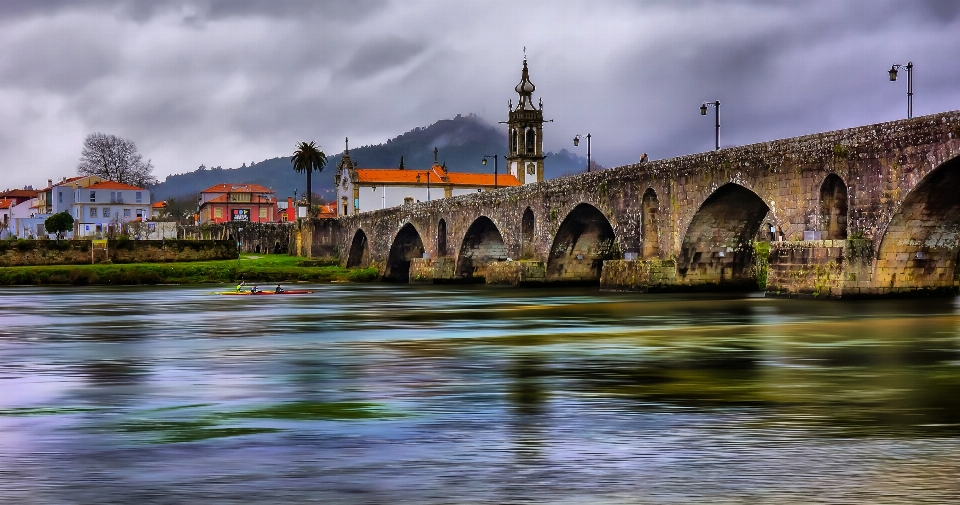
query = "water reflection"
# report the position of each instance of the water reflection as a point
(375, 394)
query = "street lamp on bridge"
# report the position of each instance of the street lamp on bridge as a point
(893, 77)
(703, 112)
(576, 142)
(494, 156)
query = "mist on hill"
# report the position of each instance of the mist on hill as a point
(461, 142)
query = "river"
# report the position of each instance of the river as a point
(390, 394)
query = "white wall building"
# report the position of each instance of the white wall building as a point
(102, 206)
(366, 189)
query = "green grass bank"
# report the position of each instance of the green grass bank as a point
(250, 267)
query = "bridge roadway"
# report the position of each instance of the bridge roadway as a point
(872, 210)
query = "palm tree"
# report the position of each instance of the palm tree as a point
(308, 158)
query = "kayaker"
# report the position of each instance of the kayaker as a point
(279, 290)
(254, 290)
(240, 286)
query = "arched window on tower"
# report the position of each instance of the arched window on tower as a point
(531, 140)
(514, 134)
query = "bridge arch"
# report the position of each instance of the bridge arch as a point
(717, 247)
(442, 238)
(920, 246)
(359, 251)
(527, 227)
(482, 245)
(833, 208)
(406, 246)
(583, 242)
(649, 227)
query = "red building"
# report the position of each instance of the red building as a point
(238, 202)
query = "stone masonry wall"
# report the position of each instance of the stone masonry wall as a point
(78, 252)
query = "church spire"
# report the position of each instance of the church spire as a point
(525, 136)
(525, 89)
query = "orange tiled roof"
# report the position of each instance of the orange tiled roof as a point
(237, 188)
(225, 198)
(159, 205)
(19, 193)
(409, 176)
(6, 204)
(113, 185)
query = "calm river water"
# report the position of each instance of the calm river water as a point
(429, 395)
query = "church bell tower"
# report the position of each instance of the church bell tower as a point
(525, 135)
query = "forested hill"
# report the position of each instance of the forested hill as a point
(462, 143)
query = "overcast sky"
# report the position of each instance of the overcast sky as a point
(225, 82)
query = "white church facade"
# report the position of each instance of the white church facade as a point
(367, 189)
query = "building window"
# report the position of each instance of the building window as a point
(93, 212)
(263, 214)
(93, 196)
(106, 212)
(139, 197)
(407, 200)
(59, 197)
(126, 212)
(217, 213)
(139, 213)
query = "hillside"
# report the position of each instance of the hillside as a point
(462, 141)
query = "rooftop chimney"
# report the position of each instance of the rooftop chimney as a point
(49, 183)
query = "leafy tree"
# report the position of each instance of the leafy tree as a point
(59, 223)
(180, 210)
(115, 159)
(308, 158)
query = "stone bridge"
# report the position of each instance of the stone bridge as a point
(864, 211)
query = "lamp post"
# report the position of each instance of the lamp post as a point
(576, 142)
(495, 170)
(893, 77)
(703, 112)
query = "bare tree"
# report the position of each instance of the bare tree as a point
(115, 159)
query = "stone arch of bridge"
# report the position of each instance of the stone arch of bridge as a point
(584, 240)
(482, 244)
(527, 234)
(833, 207)
(649, 224)
(442, 237)
(717, 247)
(359, 255)
(920, 246)
(406, 246)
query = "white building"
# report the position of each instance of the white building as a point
(103, 206)
(366, 189)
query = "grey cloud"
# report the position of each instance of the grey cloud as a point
(63, 63)
(378, 56)
(944, 11)
(209, 81)
(143, 10)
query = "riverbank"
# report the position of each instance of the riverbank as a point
(250, 267)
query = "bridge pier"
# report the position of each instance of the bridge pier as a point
(638, 275)
(517, 273)
(433, 270)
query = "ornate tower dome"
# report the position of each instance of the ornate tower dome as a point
(525, 138)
